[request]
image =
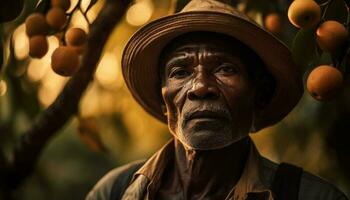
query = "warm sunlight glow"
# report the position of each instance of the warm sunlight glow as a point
(38, 67)
(108, 70)
(21, 42)
(52, 85)
(93, 11)
(139, 13)
(3, 88)
(78, 21)
(89, 105)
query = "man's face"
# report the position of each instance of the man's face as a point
(208, 96)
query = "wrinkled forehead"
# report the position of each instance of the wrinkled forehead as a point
(196, 41)
(216, 42)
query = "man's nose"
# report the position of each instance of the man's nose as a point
(203, 88)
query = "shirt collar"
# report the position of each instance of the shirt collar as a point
(154, 168)
(252, 181)
(251, 185)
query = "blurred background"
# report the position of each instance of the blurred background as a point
(111, 129)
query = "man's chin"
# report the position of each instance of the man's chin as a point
(207, 140)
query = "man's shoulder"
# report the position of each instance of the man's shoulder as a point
(114, 182)
(311, 187)
(315, 187)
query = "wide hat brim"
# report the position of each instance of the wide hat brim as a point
(141, 56)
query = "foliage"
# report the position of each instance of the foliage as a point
(104, 133)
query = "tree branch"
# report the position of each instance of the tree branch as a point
(347, 2)
(66, 104)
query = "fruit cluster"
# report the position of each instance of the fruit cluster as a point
(325, 81)
(64, 59)
(273, 23)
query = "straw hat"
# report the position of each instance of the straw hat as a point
(141, 56)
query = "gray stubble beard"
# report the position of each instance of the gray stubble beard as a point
(206, 139)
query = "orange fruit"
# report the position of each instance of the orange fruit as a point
(64, 4)
(56, 18)
(304, 13)
(273, 23)
(331, 35)
(36, 25)
(38, 46)
(65, 61)
(324, 82)
(75, 37)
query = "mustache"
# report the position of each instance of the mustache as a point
(206, 110)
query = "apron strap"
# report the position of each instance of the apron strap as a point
(286, 183)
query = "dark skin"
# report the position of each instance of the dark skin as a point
(209, 101)
(203, 174)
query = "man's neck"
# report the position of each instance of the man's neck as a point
(202, 173)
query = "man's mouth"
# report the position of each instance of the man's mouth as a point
(206, 115)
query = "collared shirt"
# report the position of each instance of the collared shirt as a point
(256, 179)
(148, 177)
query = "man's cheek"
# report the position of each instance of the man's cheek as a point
(171, 111)
(242, 115)
(172, 117)
(181, 95)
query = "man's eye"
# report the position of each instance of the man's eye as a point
(179, 73)
(227, 68)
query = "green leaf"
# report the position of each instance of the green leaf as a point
(304, 48)
(337, 10)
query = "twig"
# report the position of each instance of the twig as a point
(324, 3)
(347, 25)
(84, 15)
(347, 2)
(69, 15)
(65, 106)
(329, 2)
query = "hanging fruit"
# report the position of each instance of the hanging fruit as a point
(56, 18)
(38, 46)
(331, 35)
(304, 13)
(273, 23)
(36, 25)
(65, 61)
(324, 82)
(64, 4)
(75, 37)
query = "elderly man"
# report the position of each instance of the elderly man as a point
(214, 76)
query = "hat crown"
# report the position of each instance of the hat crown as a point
(140, 57)
(213, 6)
